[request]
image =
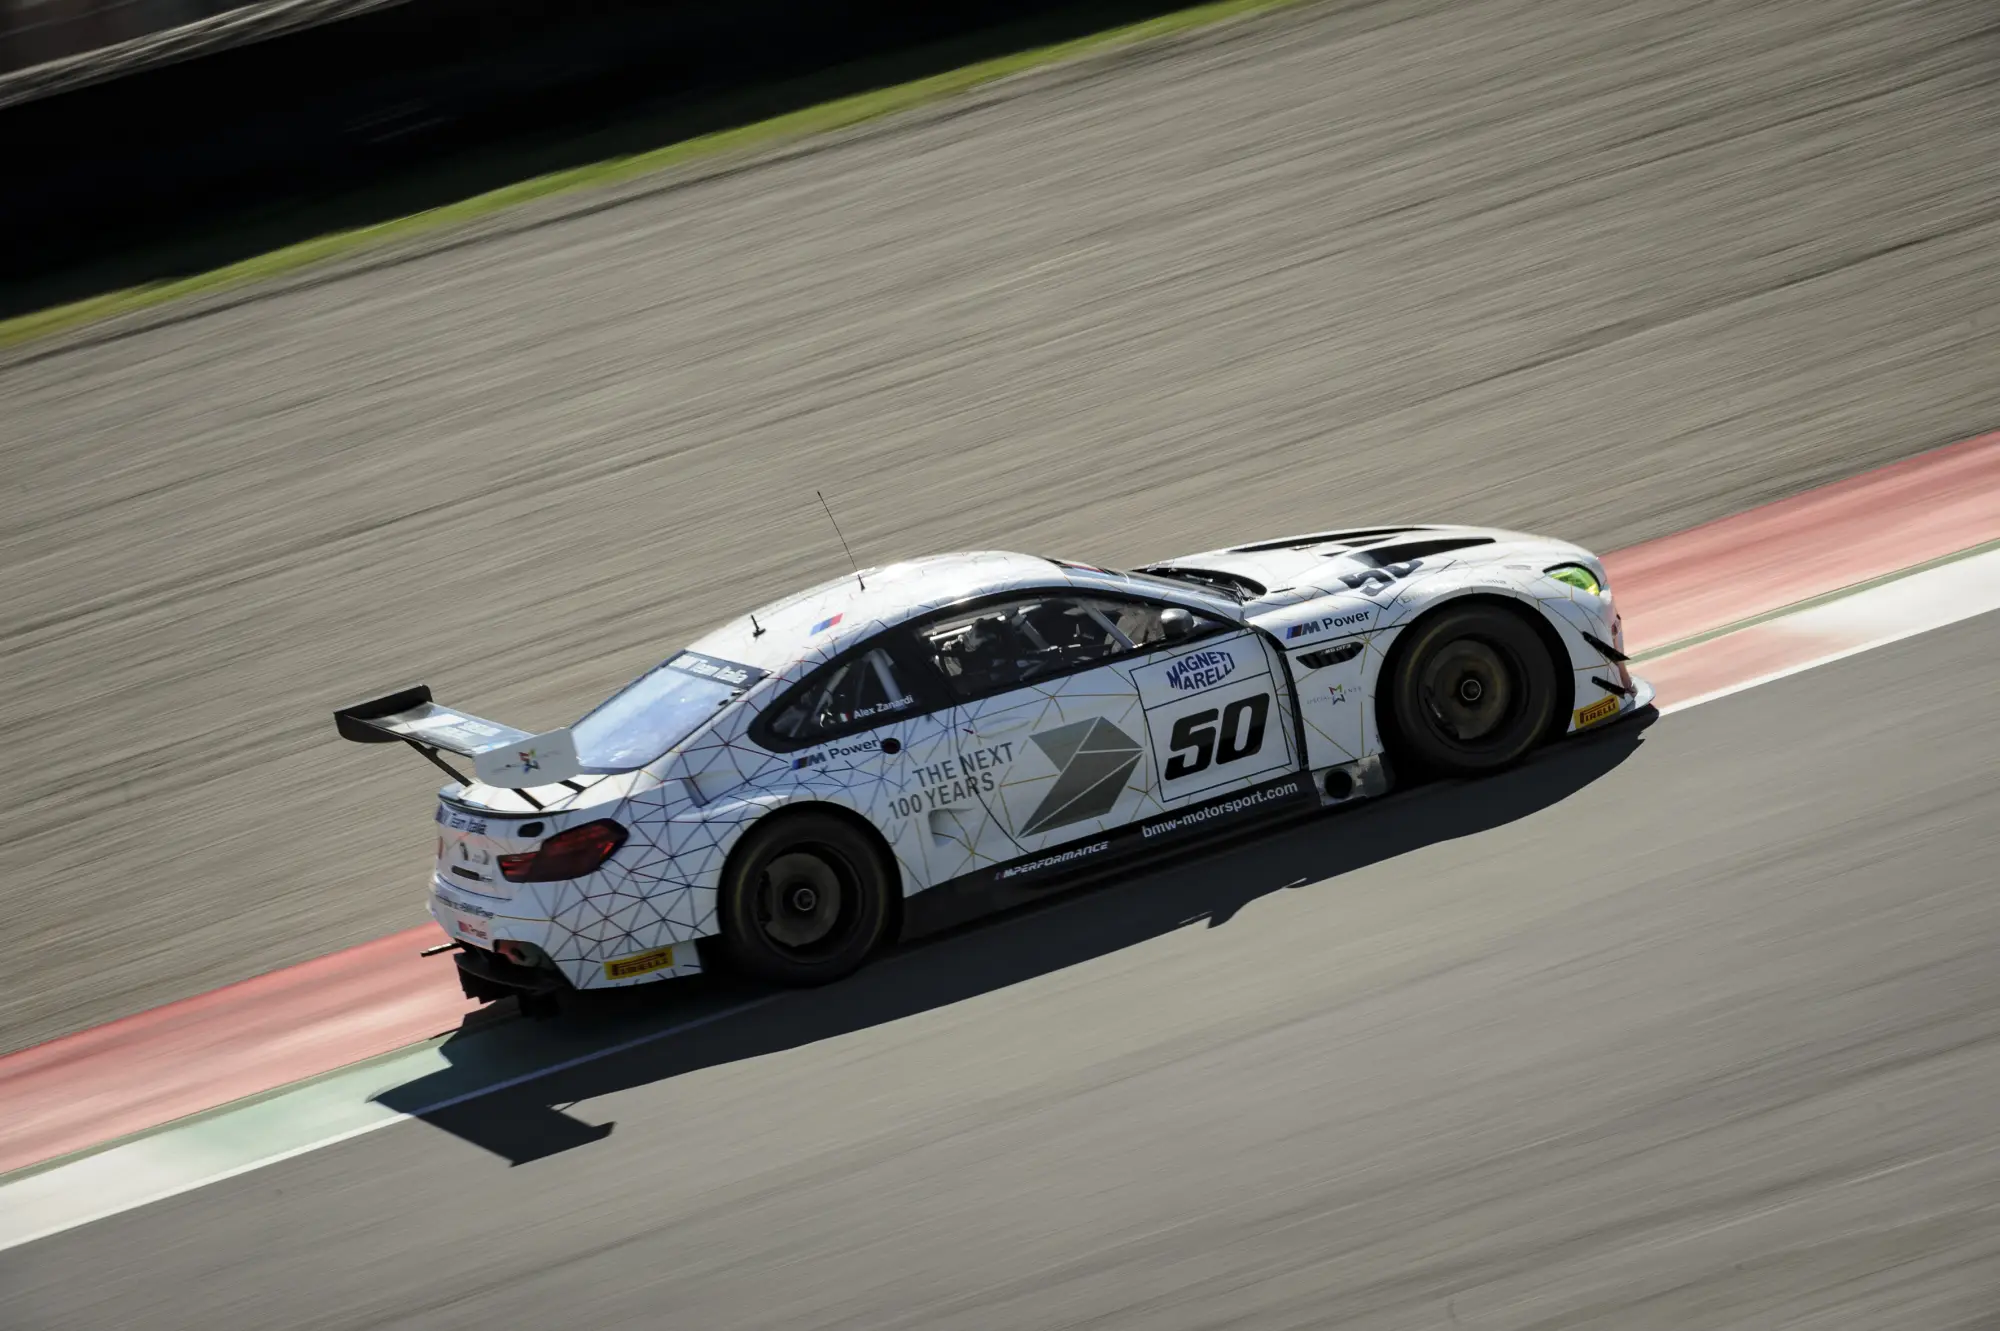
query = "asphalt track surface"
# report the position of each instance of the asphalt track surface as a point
(1601, 269)
(1685, 1028)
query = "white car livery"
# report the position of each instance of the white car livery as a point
(906, 747)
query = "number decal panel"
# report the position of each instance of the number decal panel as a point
(1213, 720)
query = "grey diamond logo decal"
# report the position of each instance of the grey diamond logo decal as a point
(1092, 760)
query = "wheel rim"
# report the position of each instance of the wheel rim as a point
(806, 901)
(1470, 689)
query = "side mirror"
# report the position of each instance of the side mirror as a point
(1176, 624)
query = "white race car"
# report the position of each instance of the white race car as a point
(906, 747)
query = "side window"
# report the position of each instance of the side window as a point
(1149, 626)
(1016, 642)
(858, 694)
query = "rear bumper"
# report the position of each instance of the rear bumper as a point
(490, 977)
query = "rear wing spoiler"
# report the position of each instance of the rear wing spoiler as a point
(501, 755)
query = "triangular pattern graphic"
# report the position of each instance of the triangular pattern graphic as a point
(1062, 743)
(661, 890)
(1093, 759)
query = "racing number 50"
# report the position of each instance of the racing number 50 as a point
(1239, 734)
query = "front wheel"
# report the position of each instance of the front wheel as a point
(805, 900)
(1472, 692)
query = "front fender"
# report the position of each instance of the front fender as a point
(1571, 617)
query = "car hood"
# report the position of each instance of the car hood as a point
(1285, 571)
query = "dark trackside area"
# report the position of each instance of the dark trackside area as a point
(140, 171)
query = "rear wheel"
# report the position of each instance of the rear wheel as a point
(805, 900)
(1471, 692)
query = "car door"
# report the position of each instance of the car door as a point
(1219, 718)
(863, 730)
(1080, 713)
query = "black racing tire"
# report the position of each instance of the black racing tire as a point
(1470, 692)
(805, 900)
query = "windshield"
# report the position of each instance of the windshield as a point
(1229, 588)
(657, 711)
(1221, 586)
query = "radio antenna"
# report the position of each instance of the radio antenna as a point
(843, 540)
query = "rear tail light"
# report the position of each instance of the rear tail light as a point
(572, 854)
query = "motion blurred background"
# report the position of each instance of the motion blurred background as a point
(150, 139)
(1601, 269)
(1605, 269)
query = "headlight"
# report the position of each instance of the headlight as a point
(1576, 575)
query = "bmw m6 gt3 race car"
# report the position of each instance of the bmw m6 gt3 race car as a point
(906, 747)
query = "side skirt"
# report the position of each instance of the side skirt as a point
(1034, 877)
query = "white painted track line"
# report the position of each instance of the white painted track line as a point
(1835, 630)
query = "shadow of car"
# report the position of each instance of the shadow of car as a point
(508, 1080)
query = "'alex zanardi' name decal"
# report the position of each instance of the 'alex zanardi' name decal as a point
(1200, 670)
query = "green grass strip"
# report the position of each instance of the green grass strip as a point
(828, 116)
